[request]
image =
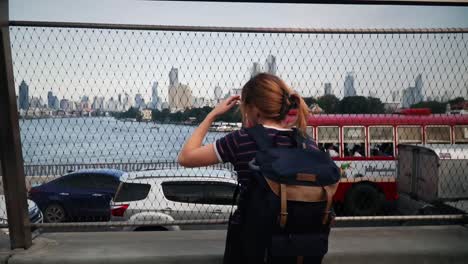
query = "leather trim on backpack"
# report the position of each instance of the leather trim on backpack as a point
(306, 177)
(284, 205)
(299, 193)
(330, 191)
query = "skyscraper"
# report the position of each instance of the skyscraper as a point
(23, 96)
(139, 101)
(173, 77)
(412, 95)
(256, 69)
(327, 89)
(126, 102)
(52, 101)
(349, 89)
(270, 65)
(111, 105)
(64, 104)
(218, 93)
(180, 98)
(395, 96)
(98, 103)
(418, 86)
(154, 96)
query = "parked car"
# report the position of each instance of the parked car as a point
(35, 215)
(83, 195)
(163, 196)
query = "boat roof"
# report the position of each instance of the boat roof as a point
(386, 119)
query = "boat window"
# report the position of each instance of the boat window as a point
(381, 141)
(409, 134)
(328, 139)
(461, 134)
(437, 134)
(354, 141)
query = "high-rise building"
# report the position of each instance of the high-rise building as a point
(36, 102)
(418, 85)
(327, 89)
(52, 101)
(349, 89)
(64, 104)
(270, 65)
(218, 93)
(98, 103)
(139, 101)
(165, 105)
(126, 104)
(180, 98)
(395, 96)
(173, 77)
(256, 69)
(412, 95)
(199, 102)
(155, 100)
(112, 105)
(84, 99)
(23, 96)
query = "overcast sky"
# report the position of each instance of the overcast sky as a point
(238, 14)
(383, 74)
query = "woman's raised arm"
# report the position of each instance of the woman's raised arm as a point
(193, 154)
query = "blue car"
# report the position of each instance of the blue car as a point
(83, 195)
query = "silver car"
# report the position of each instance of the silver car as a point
(159, 197)
(35, 215)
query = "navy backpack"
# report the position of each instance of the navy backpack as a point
(285, 213)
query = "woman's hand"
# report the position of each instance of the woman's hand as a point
(225, 106)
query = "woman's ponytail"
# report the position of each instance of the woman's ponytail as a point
(302, 113)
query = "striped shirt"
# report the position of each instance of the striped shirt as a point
(239, 148)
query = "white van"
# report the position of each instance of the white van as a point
(35, 215)
(153, 199)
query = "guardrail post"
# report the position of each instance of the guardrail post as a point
(14, 183)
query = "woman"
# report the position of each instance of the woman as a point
(265, 100)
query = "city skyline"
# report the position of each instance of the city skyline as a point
(381, 63)
(181, 98)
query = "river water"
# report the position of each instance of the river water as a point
(101, 140)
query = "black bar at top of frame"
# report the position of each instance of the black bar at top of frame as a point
(346, 2)
(233, 29)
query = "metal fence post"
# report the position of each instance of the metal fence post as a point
(10, 144)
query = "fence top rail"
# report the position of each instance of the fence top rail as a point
(50, 24)
(351, 2)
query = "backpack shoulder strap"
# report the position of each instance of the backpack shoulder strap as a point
(329, 191)
(301, 141)
(259, 134)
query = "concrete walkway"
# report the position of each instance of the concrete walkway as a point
(441, 244)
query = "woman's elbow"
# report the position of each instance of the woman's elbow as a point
(181, 160)
(184, 161)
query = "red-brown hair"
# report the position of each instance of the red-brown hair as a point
(274, 98)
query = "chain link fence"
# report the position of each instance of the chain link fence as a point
(104, 113)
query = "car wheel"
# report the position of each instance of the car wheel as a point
(363, 200)
(54, 213)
